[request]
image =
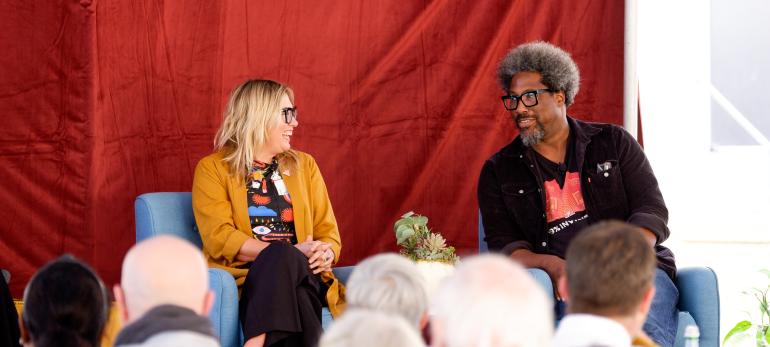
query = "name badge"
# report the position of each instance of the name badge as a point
(280, 187)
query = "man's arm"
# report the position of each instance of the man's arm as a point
(504, 235)
(551, 264)
(645, 201)
(500, 231)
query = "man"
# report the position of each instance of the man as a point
(163, 295)
(561, 174)
(389, 283)
(490, 301)
(617, 255)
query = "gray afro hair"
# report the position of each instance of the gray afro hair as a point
(559, 72)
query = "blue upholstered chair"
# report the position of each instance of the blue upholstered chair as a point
(698, 298)
(171, 213)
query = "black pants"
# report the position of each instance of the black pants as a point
(282, 298)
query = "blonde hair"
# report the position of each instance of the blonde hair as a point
(252, 111)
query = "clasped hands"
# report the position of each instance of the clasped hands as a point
(320, 254)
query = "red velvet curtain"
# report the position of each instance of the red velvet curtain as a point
(104, 100)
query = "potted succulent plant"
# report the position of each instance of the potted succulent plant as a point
(419, 243)
(743, 330)
(434, 258)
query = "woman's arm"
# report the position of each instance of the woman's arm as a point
(325, 227)
(250, 250)
(213, 212)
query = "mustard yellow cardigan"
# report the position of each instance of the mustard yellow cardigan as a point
(220, 208)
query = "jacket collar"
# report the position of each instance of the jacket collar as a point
(583, 132)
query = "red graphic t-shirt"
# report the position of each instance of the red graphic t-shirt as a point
(565, 209)
(563, 202)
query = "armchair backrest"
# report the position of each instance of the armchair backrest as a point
(166, 213)
(482, 243)
(171, 213)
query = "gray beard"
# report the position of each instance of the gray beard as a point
(532, 137)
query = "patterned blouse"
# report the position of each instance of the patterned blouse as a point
(270, 209)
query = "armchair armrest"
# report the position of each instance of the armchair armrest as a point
(699, 295)
(224, 312)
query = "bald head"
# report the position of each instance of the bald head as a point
(163, 270)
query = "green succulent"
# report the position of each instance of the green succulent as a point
(419, 243)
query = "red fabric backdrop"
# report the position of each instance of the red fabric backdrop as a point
(104, 100)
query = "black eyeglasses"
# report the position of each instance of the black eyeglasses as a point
(289, 114)
(529, 99)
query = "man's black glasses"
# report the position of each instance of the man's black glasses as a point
(289, 114)
(529, 99)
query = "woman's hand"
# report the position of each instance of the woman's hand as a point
(319, 254)
(323, 258)
(308, 246)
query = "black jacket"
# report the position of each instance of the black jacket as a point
(512, 199)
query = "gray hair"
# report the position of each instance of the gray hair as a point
(557, 69)
(491, 301)
(390, 283)
(370, 328)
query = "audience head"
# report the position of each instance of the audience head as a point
(252, 116)
(389, 283)
(65, 304)
(361, 327)
(610, 271)
(491, 301)
(556, 68)
(163, 270)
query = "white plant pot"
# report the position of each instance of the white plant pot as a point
(434, 272)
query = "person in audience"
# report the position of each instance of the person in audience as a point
(65, 305)
(164, 295)
(9, 320)
(561, 174)
(608, 287)
(363, 327)
(264, 215)
(491, 301)
(389, 283)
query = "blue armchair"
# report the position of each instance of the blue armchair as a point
(171, 213)
(698, 298)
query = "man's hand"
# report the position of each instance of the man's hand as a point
(556, 269)
(551, 264)
(650, 236)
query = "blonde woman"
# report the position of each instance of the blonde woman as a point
(264, 216)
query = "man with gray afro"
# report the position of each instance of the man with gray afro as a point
(164, 295)
(389, 283)
(561, 174)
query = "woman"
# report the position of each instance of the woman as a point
(65, 304)
(253, 199)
